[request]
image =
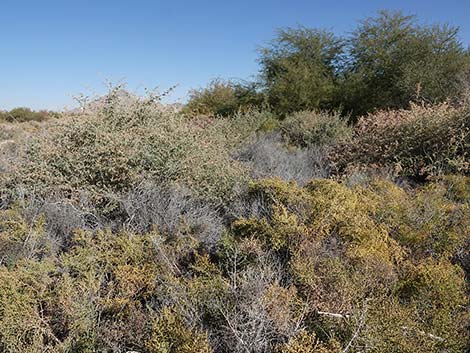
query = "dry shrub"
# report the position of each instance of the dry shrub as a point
(269, 156)
(113, 146)
(421, 142)
(319, 266)
(315, 128)
(174, 211)
(324, 267)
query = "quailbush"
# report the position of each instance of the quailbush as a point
(116, 145)
(422, 142)
(315, 128)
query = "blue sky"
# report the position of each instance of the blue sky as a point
(52, 50)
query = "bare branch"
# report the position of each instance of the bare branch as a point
(430, 335)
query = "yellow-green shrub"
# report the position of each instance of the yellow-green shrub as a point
(376, 244)
(170, 335)
(315, 128)
(304, 342)
(20, 239)
(23, 290)
(323, 268)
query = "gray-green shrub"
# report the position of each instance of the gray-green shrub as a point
(114, 146)
(320, 128)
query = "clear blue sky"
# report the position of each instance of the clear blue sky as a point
(51, 50)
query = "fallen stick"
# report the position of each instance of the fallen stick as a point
(430, 335)
(338, 316)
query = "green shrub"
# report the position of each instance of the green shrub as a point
(365, 252)
(20, 239)
(223, 98)
(315, 128)
(388, 61)
(19, 115)
(169, 335)
(22, 290)
(393, 60)
(304, 342)
(324, 267)
(458, 187)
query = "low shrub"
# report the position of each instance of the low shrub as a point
(19, 115)
(421, 142)
(113, 147)
(224, 98)
(349, 251)
(322, 267)
(315, 128)
(173, 211)
(268, 156)
(169, 334)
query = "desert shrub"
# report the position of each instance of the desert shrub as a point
(389, 60)
(19, 115)
(352, 252)
(173, 211)
(320, 267)
(224, 98)
(268, 155)
(20, 238)
(458, 187)
(12, 138)
(308, 343)
(420, 142)
(169, 334)
(22, 325)
(113, 147)
(420, 317)
(100, 294)
(8, 154)
(315, 128)
(246, 323)
(62, 218)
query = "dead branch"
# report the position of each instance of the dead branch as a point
(430, 335)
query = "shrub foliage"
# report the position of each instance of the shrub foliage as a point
(323, 268)
(420, 142)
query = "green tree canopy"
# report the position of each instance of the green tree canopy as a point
(392, 60)
(224, 98)
(299, 69)
(388, 61)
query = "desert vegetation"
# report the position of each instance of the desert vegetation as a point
(296, 214)
(388, 61)
(22, 114)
